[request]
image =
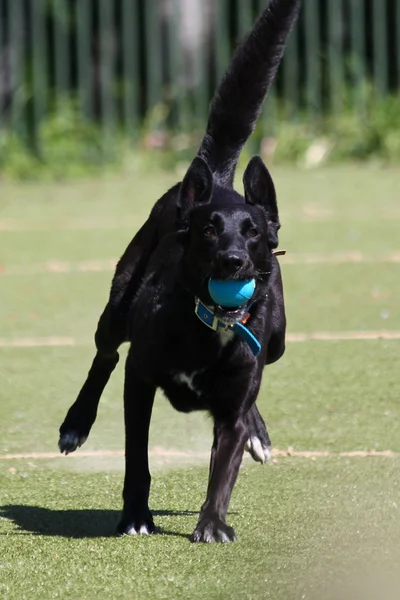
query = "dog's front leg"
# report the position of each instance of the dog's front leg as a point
(226, 456)
(78, 422)
(138, 403)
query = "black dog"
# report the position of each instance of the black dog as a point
(204, 357)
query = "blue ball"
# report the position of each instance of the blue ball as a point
(231, 292)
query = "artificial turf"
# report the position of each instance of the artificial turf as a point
(326, 528)
(305, 530)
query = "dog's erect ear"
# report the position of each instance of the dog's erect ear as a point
(196, 188)
(259, 190)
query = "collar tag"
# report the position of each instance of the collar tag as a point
(206, 316)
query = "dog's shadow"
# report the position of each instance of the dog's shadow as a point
(75, 523)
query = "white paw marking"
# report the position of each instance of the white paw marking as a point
(262, 453)
(267, 454)
(184, 379)
(131, 531)
(143, 530)
(257, 448)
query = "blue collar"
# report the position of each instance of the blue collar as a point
(207, 316)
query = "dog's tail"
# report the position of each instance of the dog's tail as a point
(237, 103)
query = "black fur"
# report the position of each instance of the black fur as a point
(200, 228)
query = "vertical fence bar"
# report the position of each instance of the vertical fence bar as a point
(221, 38)
(174, 63)
(39, 61)
(291, 83)
(335, 54)
(380, 46)
(271, 111)
(244, 18)
(16, 66)
(268, 120)
(84, 16)
(107, 59)
(61, 54)
(153, 53)
(312, 43)
(201, 88)
(176, 68)
(358, 52)
(1, 61)
(130, 66)
(398, 42)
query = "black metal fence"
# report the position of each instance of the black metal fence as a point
(115, 62)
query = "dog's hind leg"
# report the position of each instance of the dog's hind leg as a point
(258, 443)
(138, 404)
(79, 420)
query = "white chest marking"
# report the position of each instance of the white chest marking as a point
(225, 336)
(184, 379)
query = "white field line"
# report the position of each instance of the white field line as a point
(317, 336)
(37, 342)
(326, 336)
(58, 266)
(108, 265)
(306, 213)
(339, 258)
(170, 453)
(68, 224)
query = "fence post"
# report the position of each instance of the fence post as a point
(84, 32)
(335, 54)
(107, 60)
(40, 65)
(201, 90)
(267, 122)
(244, 17)
(358, 54)
(175, 68)
(312, 54)
(61, 51)
(16, 67)
(221, 41)
(291, 82)
(130, 67)
(153, 53)
(379, 20)
(398, 43)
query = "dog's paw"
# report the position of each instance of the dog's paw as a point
(213, 530)
(70, 441)
(258, 449)
(140, 525)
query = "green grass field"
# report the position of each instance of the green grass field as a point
(320, 523)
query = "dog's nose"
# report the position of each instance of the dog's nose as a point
(230, 261)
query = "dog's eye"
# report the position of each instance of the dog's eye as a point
(252, 232)
(209, 231)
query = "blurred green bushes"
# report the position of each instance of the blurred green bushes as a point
(69, 147)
